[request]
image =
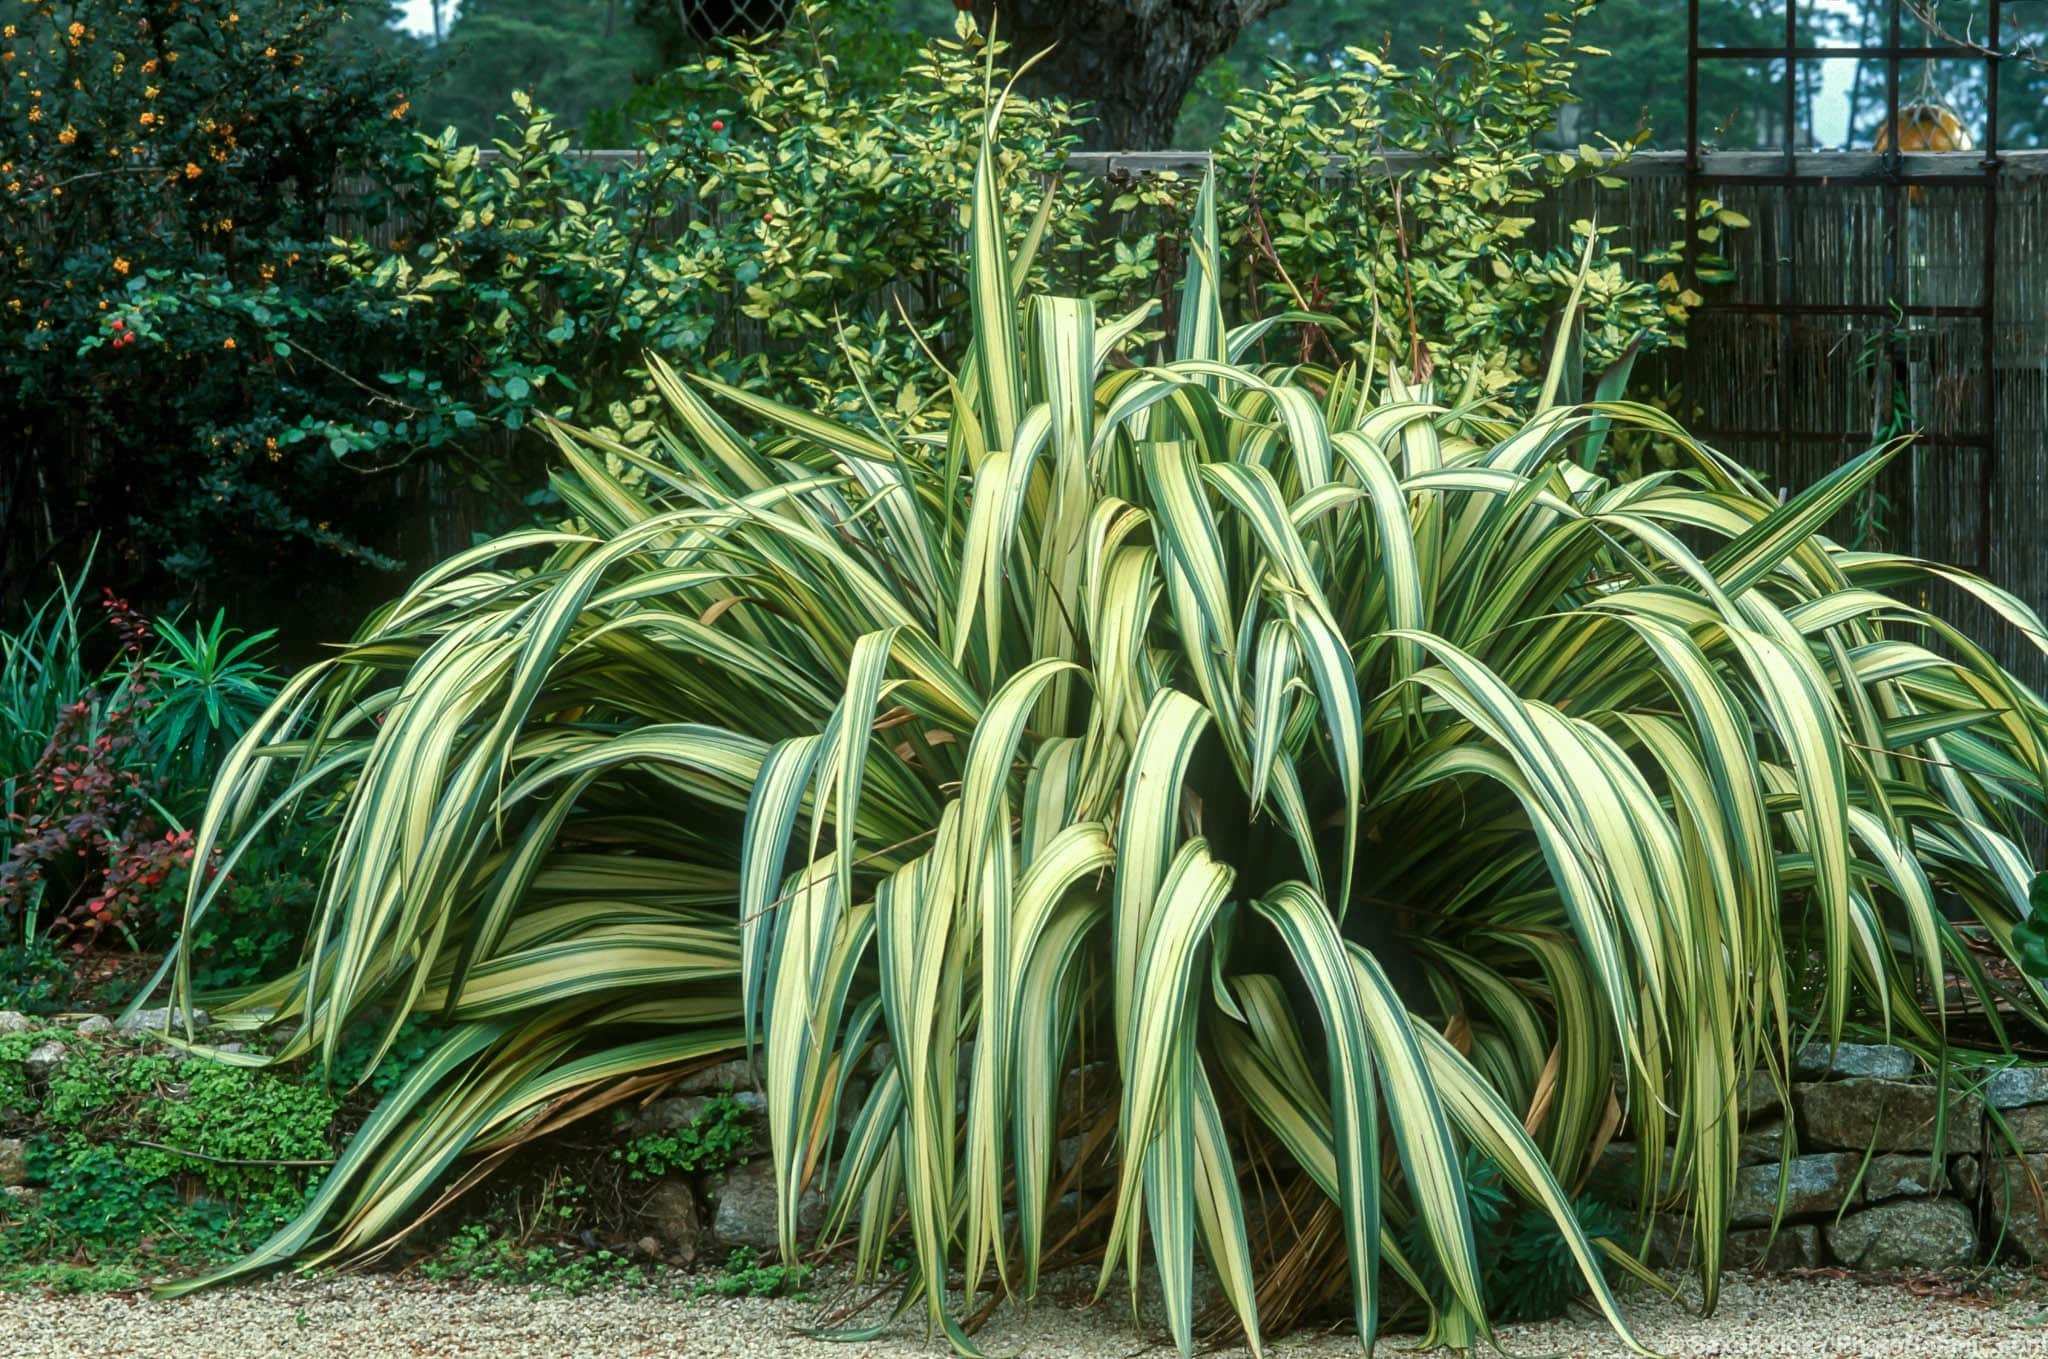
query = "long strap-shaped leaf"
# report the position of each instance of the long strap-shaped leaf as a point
(1304, 925)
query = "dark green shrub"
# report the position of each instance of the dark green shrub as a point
(34, 977)
(168, 335)
(1526, 1270)
(126, 730)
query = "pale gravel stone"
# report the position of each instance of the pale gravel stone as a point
(388, 1318)
(94, 1025)
(14, 1021)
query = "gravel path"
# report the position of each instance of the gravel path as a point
(369, 1318)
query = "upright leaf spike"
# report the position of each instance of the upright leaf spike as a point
(1564, 355)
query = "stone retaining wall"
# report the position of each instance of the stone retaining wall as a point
(1875, 1167)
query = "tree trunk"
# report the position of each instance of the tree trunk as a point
(1132, 61)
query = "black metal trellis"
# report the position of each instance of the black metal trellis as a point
(1782, 301)
(710, 19)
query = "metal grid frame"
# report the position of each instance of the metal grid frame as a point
(1890, 172)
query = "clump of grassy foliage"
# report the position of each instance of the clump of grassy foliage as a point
(1368, 779)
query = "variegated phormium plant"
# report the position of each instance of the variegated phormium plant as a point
(1365, 779)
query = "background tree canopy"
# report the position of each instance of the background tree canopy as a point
(601, 63)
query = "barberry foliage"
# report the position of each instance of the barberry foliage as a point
(90, 848)
(92, 835)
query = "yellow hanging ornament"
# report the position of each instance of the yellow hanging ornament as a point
(1925, 126)
(1928, 123)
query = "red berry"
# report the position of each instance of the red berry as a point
(119, 324)
(718, 124)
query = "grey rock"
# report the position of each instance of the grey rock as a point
(13, 1162)
(1619, 1175)
(44, 1059)
(746, 1209)
(1913, 1234)
(1796, 1245)
(1067, 1217)
(14, 1021)
(2016, 1192)
(1090, 1086)
(94, 1025)
(1966, 1174)
(671, 1210)
(1762, 1145)
(1813, 1184)
(853, 1097)
(2017, 1086)
(736, 1074)
(1884, 1116)
(1902, 1175)
(1672, 1242)
(2024, 1130)
(1761, 1098)
(1815, 1062)
(1099, 1173)
(162, 1020)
